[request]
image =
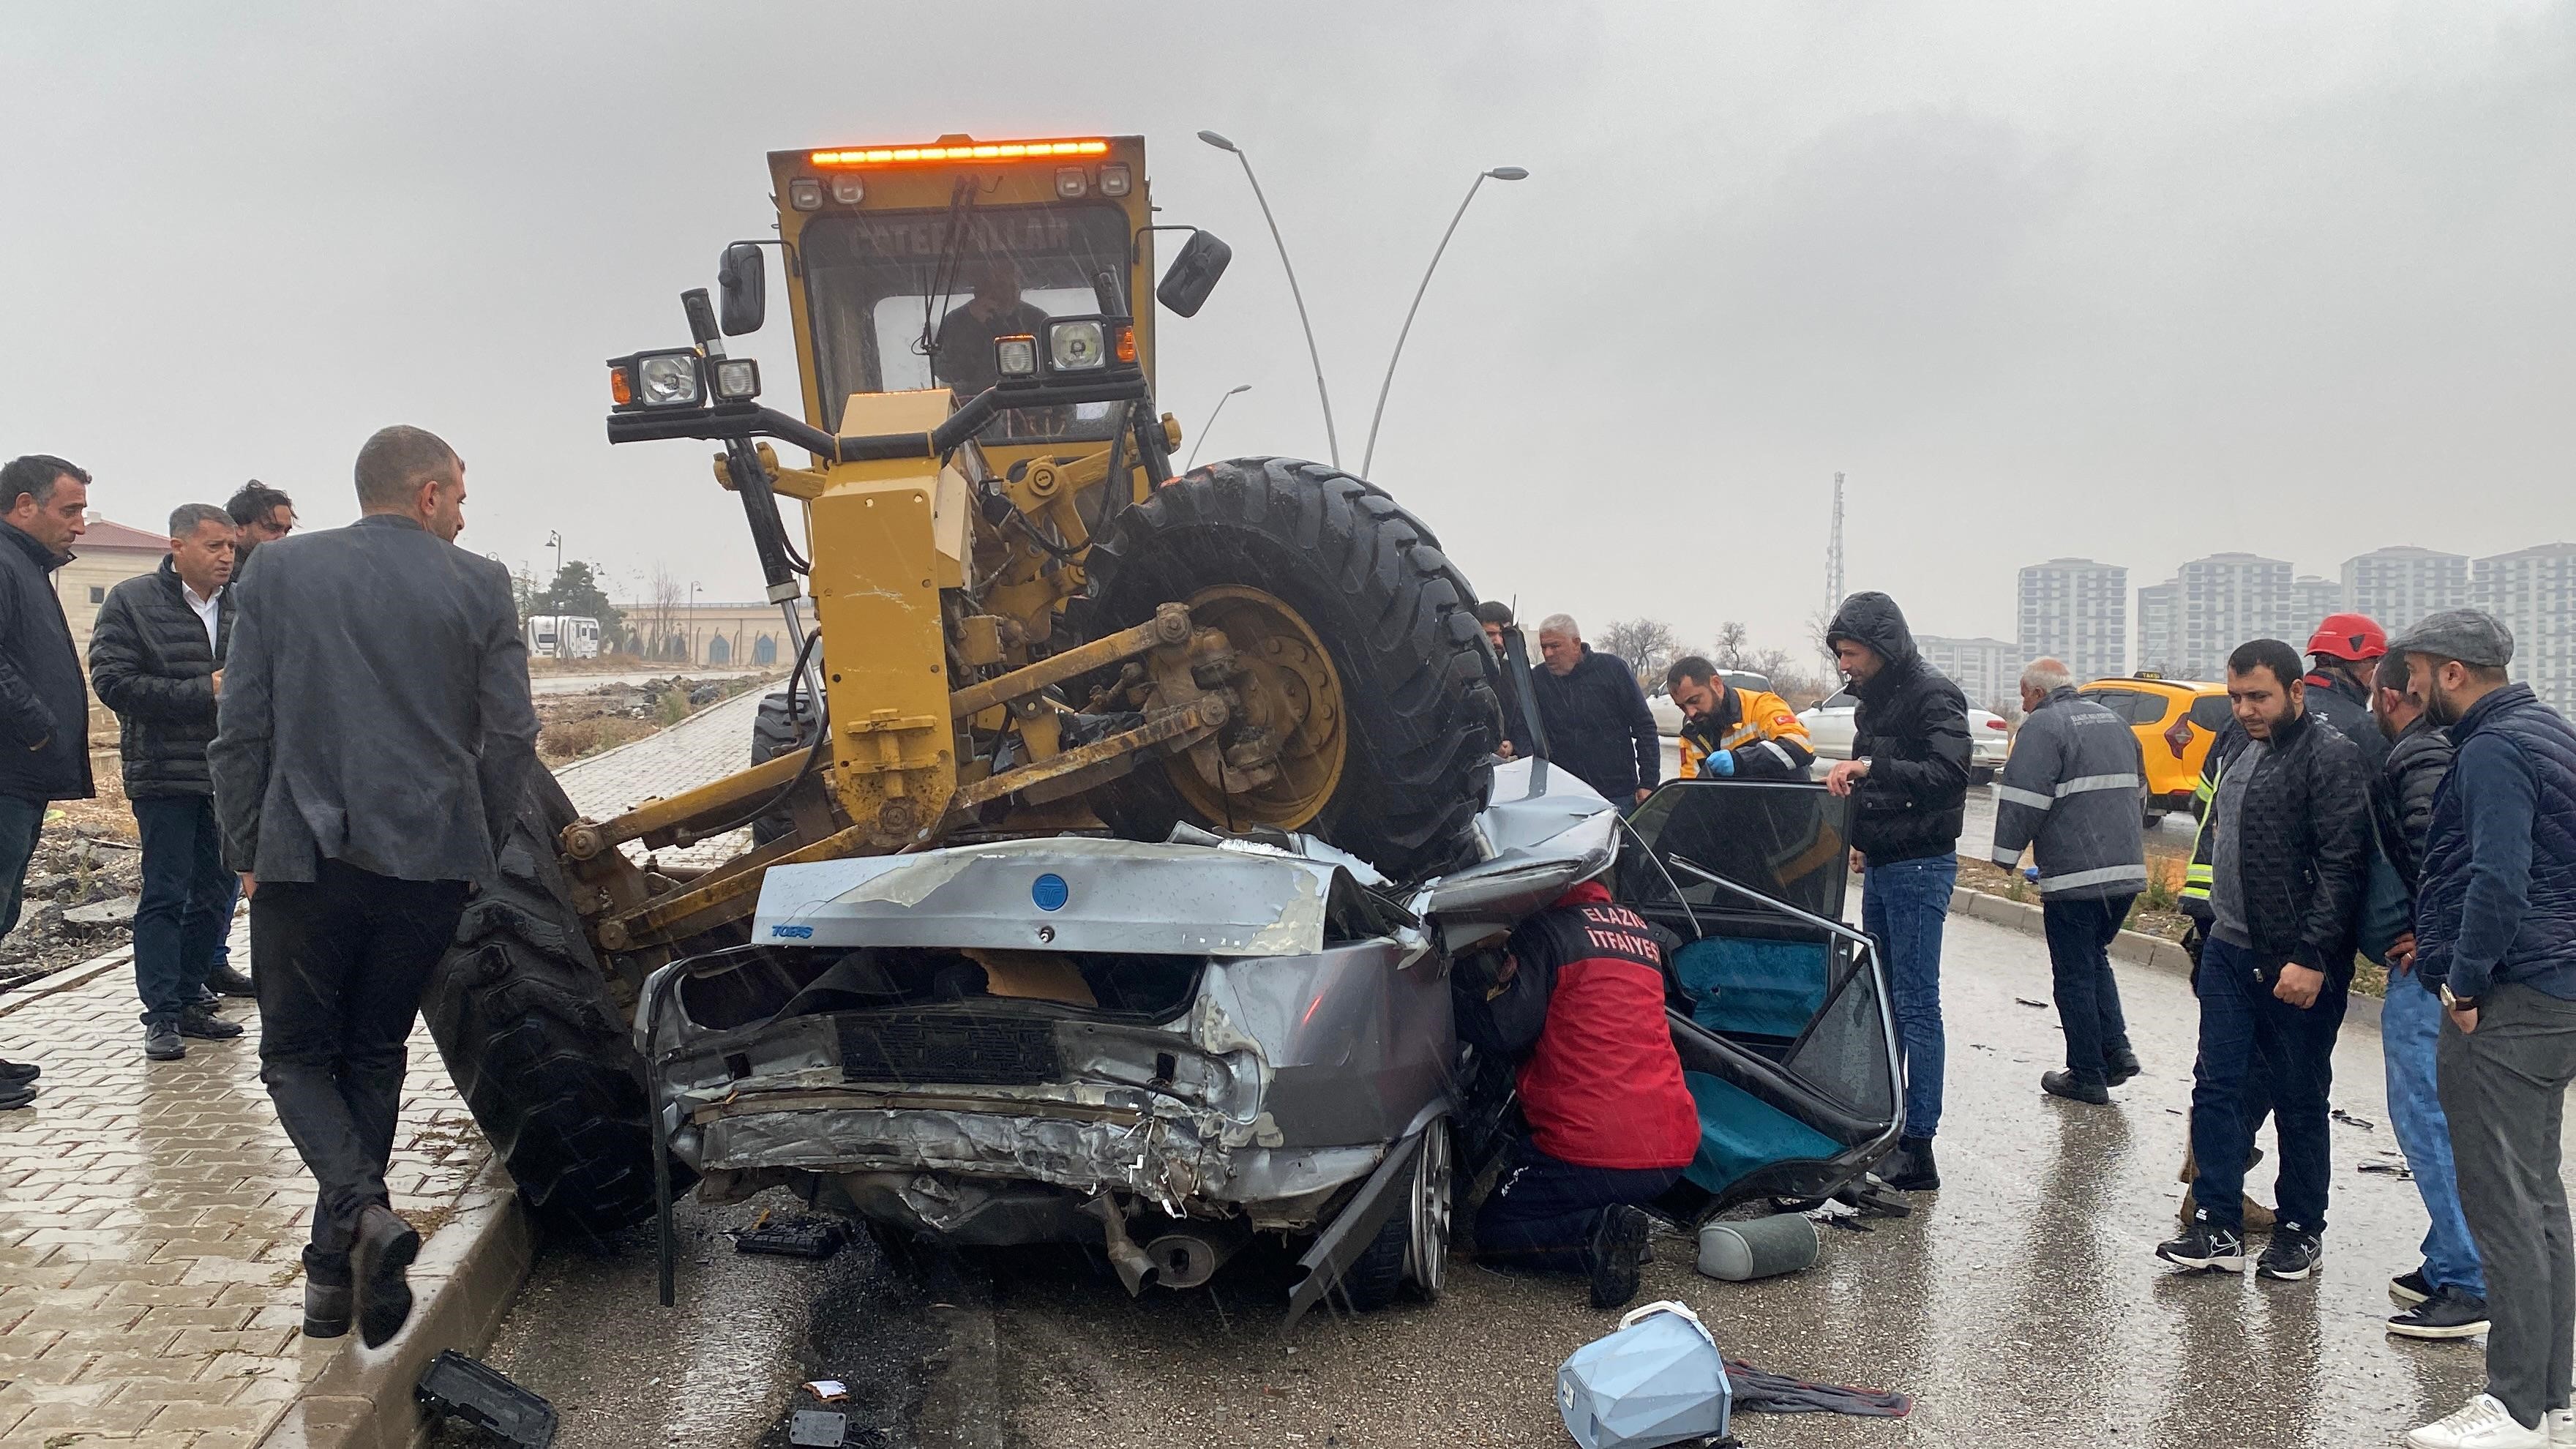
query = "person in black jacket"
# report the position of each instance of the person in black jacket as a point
(2287, 842)
(1596, 717)
(44, 709)
(1908, 783)
(156, 657)
(2447, 1296)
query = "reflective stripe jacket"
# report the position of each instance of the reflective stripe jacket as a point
(1766, 737)
(2073, 791)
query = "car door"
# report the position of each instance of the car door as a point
(1829, 725)
(1778, 1010)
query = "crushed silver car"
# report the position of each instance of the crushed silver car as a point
(1163, 1049)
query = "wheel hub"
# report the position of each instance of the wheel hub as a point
(1280, 759)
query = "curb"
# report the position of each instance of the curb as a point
(66, 979)
(2136, 948)
(465, 1279)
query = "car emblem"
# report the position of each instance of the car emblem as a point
(1050, 892)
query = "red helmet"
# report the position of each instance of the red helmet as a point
(2353, 638)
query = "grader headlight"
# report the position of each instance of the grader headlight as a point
(669, 380)
(737, 379)
(1015, 356)
(1080, 345)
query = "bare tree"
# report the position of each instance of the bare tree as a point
(1734, 646)
(1790, 679)
(1648, 646)
(657, 615)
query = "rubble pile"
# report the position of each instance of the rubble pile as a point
(81, 891)
(571, 726)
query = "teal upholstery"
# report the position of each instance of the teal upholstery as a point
(1740, 1133)
(1756, 988)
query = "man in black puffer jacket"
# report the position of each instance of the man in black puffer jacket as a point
(156, 658)
(2285, 853)
(1908, 783)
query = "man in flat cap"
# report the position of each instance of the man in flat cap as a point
(2495, 931)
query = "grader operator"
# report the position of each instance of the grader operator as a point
(1014, 620)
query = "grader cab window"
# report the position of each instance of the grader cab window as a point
(903, 300)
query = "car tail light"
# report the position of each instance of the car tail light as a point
(1996, 724)
(2178, 739)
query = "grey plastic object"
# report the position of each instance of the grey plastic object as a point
(1658, 1380)
(819, 1428)
(1761, 1248)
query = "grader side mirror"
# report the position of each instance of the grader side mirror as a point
(745, 286)
(1193, 274)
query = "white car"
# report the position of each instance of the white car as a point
(1829, 729)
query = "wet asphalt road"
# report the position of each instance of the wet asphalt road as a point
(2022, 1306)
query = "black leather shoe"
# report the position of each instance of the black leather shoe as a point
(230, 982)
(378, 1264)
(1910, 1168)
(328, 1292)
(2119, 1063)
(19, 1074)
(12, 1098)
(204, 1025)
(1618, 1245)
(2074, 1088)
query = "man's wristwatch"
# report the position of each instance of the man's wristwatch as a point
(2457, 1003)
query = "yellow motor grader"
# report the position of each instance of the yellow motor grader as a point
(1011, 618)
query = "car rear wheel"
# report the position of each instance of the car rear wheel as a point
(1413, 1246)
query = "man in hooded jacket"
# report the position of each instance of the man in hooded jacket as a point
(1908, 783)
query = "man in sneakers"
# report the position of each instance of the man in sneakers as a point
(2070, 794)
(2495, 934)
(2446, 1297)
(1579, 989)
(156, 657)
(44, 710)
(2289, 851)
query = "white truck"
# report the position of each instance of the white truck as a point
(562, 636)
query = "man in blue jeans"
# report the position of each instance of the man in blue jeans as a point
(1908, 783)
(2446, 1298)
(156, 657)
(2287, 846)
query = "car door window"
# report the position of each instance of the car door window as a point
(2122, 702)
(2211, 712)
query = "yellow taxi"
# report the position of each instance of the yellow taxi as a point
(2176, 719)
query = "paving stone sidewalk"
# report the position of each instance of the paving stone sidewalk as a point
(151, 1213)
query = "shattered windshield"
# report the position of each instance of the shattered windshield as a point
(905, 300)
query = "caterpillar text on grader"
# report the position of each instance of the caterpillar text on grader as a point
(1013, 622)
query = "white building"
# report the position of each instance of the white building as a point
(2311, 599)
(2077, 611)
(2399, 586)
(2227, 599)
(1986, 670)
(2160, 630)
(2533, 591)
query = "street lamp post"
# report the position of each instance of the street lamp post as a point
(554, 541)
(1211, 422)
(1499, 173)
(1331, 441)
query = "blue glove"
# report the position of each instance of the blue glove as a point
(1722, 763)
(2030, 873)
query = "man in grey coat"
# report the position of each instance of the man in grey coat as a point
(2072, 793)
(375, 738)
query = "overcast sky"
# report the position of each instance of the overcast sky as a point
(2138, 283)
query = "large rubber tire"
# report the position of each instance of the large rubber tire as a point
(774, 734)
(534, 1038)
(1394, 613)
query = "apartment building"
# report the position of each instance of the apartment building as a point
(2399, 586)
(2533, 591)
(1986, 670)
(2077, 611)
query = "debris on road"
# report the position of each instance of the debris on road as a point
(81, 889)
(1739, 1252)
(1758, 1392)
(1658, 1380)
(2349, 1120)
(801, 1237)
(830, 1391)
(818, 1428)
(460, 1390)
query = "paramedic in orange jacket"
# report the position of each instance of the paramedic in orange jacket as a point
(1735, 734)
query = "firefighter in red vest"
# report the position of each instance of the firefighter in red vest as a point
(1578, 995)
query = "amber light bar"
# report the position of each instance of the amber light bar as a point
(979, 151)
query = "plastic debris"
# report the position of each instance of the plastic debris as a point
(830, 1391)
(2349, 1120)
(818, 1428)
(812, 1238)
(1658, 1380)
(1739, 1252)
(470, 1392)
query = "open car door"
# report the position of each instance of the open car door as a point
(1779, 1010)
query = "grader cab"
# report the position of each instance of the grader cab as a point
(1012, 619)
